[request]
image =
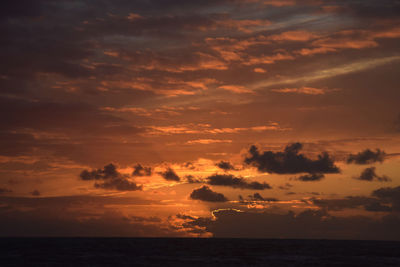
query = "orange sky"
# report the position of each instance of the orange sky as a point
(248, 118)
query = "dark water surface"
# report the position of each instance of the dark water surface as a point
(195, 252)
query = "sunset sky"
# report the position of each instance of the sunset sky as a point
(224, 118)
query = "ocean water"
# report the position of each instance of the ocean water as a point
(195, 252)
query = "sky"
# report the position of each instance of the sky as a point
(222, 118)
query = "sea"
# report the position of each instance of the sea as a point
(195, 252)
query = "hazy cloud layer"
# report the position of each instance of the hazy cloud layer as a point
(383, 199)
(166, 82)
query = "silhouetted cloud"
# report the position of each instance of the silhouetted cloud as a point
(351, 202)
(316, 224)
(65, 216)
(290, 161)
(225, 165)
(235, 182)
(389, 195)
(258, 197)
(110, 178)
(121, 184)
(367, 157)
(170, 175)
(204, 193)
(385, 199)
(311, 177)
(370, 175)
(286, 186)
(397, 124)
(108, 172)
(35, 193)
(139, 170)
(192, 180)
(4, 190)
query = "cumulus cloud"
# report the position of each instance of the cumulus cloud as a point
(170, 175)
(290, 161)
(235, 182)
(367, 157)
(311, 177)
(369, 174)
(139, 170)
(192, 180)
(110, 178)
(225, 165)
(204, 193)
(108, 172)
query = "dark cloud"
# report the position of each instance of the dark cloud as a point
(369, 9)
(351, 202)
(204, 193)
(290, 161)
(75, 118)
(79, 215)
(170, 175)
(35, 193)
(308, 224)
(61, 222)
(258, 197)
(193, 224)
(121, 184)
(4, 190)
(192, 180)
(286, 186)
(389, 195)
(397, 124)
(312, 177)
(108, 172)
(22, 8)
(367, 157)
(145, 219)
(235, 182)
(110, 178)
(384, 199)
(70, 201)
(370, 175)
(225, 165)
(139, 170)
